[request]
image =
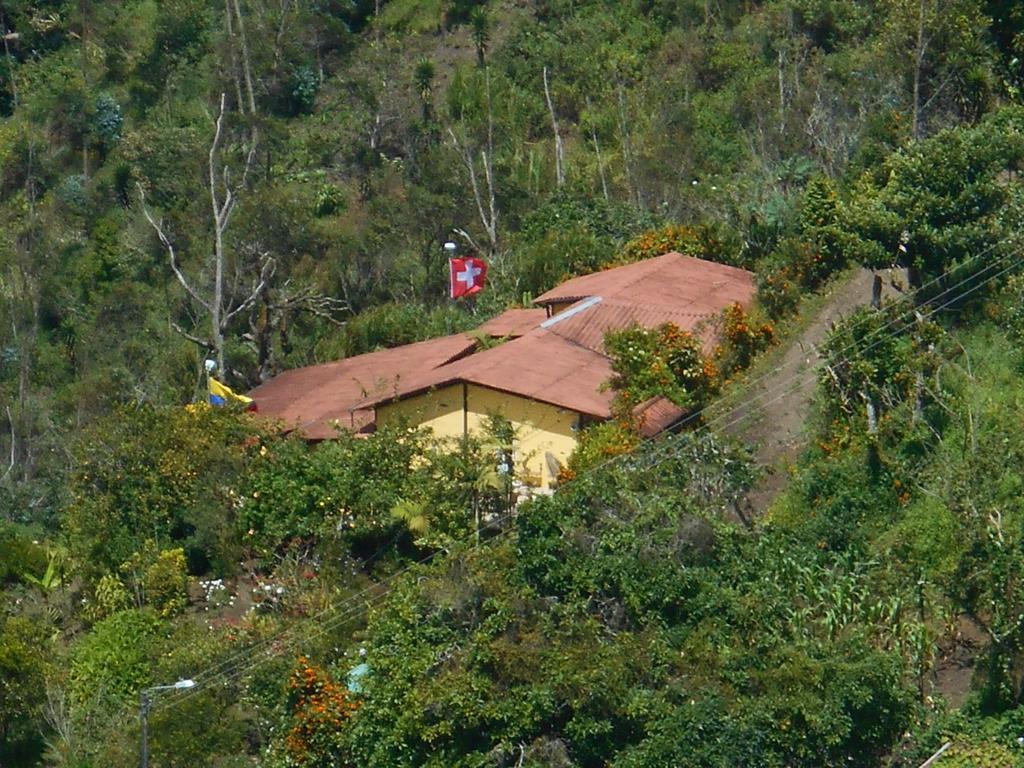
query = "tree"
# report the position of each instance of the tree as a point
(948, 55)
(481, 25)
(23, 669)
(423, 77)
(938, 201)
(221, 307)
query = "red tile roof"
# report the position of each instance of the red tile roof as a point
(657, 414)
(560, 361)
(589, 326)
(681, 282)
(513, 323)
(315, 398)
(546, 367)
(540, 366)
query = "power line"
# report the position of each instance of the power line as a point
(786, 390)
(233, 666)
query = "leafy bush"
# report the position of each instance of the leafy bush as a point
(777, 291)
(391, 325)
(666, 361)
(107, 121)
(563, 252)
(319, 709)
(600, 442)
(114, 658)
(166, 582)
(24, 666)
(146, 473)
(348, 485)
(304, 87)
(714, 242)
(742, 339)
(19, 555)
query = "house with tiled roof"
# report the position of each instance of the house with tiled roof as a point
(317, 400)
(549, 381)
(546, 378)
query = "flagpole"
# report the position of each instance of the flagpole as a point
(451, 248)
(210, 365)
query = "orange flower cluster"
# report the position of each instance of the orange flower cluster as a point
(320, 707)
(673, 237)
(743, 341)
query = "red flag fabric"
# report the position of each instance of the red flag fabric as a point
(467, 276)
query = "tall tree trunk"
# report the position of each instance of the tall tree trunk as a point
(559, 168)
(782, 92)
(597, 151)
(235, 75)
(919, 55)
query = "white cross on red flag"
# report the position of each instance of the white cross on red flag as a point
(467, 276)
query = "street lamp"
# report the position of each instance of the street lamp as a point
(145, 701)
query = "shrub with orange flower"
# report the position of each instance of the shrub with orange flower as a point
(656, 242)
(666, 361)
(742, 338)
(319, 707)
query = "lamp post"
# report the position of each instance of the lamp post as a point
(144, 702)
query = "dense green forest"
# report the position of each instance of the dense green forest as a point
(269, 183)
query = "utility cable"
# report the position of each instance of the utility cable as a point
(233, 666)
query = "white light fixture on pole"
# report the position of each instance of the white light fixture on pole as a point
(144, 702)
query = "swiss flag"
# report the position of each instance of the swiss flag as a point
(467, 276)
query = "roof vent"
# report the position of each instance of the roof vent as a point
(575, 310)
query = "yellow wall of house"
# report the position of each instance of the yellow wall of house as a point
(540, 428)
(439, 409)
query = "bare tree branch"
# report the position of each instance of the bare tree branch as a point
(158, 227)
(14, 443)
(468, 238)
(204, 343)
(266, 272)
(488, 215)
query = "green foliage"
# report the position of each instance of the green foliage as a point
(571, 236)
(113, 659)
(305, 86)
(108, 122)
(599, 443)
(570, 645)
(348, 485)
(390, 325)
(942, 199)
(150, 474)
(663, 361)
(158, 578)
(1011, 309)
(24, 666)
(880, 358)
(109, 597)
(19, 555)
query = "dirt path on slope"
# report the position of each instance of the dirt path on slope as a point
(774, 410)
